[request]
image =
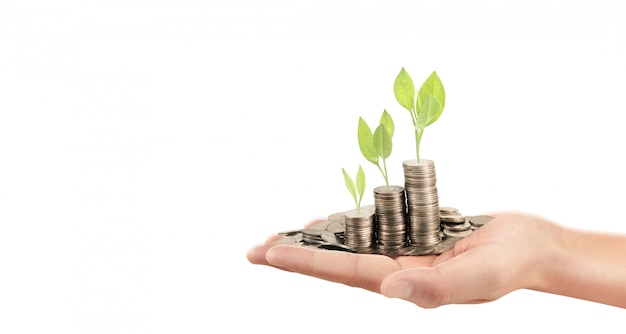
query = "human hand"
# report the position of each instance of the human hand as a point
(504, 255)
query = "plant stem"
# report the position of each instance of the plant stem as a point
(385, 174)
(418, 139)
(418, 133)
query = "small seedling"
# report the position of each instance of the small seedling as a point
(425, 107)
(356, 189)
(378, 144)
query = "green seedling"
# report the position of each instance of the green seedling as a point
(377, 146)
(356, 189)
(425, 106)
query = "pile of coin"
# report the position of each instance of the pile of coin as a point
(391, 223)
(453, 223)
(330, 235)
(420, 182)
(403, 220)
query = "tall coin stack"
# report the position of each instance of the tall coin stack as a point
(391, 226)
(420, 183)
(360, 229)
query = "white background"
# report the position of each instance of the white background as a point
(145, 146)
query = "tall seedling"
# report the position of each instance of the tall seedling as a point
(377, 146)
(425, 105)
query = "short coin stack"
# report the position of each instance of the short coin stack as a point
(391, 225)
(454, 224)
(360, 230)
(423, 202)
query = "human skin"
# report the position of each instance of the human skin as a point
(514, 251)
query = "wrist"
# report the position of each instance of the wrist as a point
(585, 265)
(555, 266)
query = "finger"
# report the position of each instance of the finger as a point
(415, 261)
(470, 277)
(459, 247)
(256, 255)
(358, 270)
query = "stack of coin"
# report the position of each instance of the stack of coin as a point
(420, 183)
(390, 203)
(360, 229)
(454, 224)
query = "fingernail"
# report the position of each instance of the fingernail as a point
(401, 289)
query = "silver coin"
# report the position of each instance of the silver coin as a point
(289, 233)
(461, 234)
(320, 226)
(452, 218)
(338, 216)
(447, 209)
(329, 237)
(457, 227)
(337, 226)
(480, 220)
(287, 241)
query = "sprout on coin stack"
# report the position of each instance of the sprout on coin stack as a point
(359, 225)
(377, 146)
(425, 105)
(356, 189)
(389, 201)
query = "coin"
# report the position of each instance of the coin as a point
(337, 226)
(452, 218)
(447, 209)
(337, 216)
(480, 220)
(287, 241)
(457, 227)
(320, 226)
(453, 234)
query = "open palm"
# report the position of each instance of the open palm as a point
(500, 257)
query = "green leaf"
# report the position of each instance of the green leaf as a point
(387, 121)
(382, 141)
(365, 142)
(430, 109)
(360, 182)
(349, 183)
(432, 86)
(404, 90)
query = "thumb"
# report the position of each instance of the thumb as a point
(466, 278)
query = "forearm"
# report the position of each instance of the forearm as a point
(586, 265)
